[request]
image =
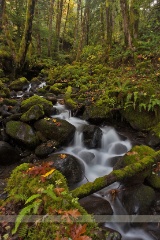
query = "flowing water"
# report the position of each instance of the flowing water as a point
(99, 162)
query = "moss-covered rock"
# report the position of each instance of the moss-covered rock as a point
(46, 148)
(34, 113)
(22, 132)
(46, 195)
(56, 88)
(56, 129)
(70, 103)
(154, 181)
(138, 199)
(19, 84)
(96, 114)
(36, 100)
(153, 138)
(140, 120)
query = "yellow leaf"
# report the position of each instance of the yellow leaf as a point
(63, 156)
(54, 120)
(48, 173)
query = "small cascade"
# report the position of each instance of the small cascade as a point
(42, 84)
(99, 162)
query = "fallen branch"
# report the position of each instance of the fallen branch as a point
(116, 175)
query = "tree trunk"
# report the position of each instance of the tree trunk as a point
(50, 27)
(116, 175)
(58, 24)
(65, 24)
(134, 18)
(126, 23)
(109, 23)
(2, 9)
(26, 39)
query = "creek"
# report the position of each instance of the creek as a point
(99, 162)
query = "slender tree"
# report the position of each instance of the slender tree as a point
(2, 9)
(50, 27)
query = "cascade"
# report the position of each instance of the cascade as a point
(98, 162)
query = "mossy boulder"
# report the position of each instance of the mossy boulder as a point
(46, 195)
(36, 100)
(46, 148)
(56, 129)
(153, 138)
(56, 88)
(138, 199)
(143, 120)
(136, 154)
(19, 84)
(154, 181)
(22, 132)
(34, 113)
(96, 114)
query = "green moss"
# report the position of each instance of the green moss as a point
(4, 54)
(154, 181)
(21, 185)
(96, 112)
(140, 120)
(36, 100)
(11, 102)
(22, 132)
(34, 113)
(70, 103)
(156, 130)
(4, 91)
(19, 83)
(56, 88)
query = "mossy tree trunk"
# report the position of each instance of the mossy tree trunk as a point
(27, 34)
(116, 175)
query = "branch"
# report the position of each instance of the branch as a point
(116, 175)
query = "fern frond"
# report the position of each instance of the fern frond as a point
(36, 205)
(30, 199)
(23, 228)
(20, 217)
(50, 193)
(20, 197)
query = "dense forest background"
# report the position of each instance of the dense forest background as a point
(63, 31)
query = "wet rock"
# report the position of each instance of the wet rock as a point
(22, 132)
(45, 149)
(8, 155)
(138, 199)
(51, 97)
(112, 161)
(96, 205)
(153, 138)
(56, 129)
(118, 148)
(32, 158)
(109, 234)
(19, 84)
(36, 100)
(71, 167)
(34, 113)
(92, 136)
(87, 156)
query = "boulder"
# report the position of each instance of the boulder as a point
(87, 156)
(96, 205)
(22, 132)
(153, 138)
(92, 136)
(34, 113)
(46, 148)
(71, 167)
(118, 148)
(56, 129)
(138, 199)
(8, 155)
(19, 84)
(36, 100)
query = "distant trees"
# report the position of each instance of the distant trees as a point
(56, 28)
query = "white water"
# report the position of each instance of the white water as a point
(98, 162)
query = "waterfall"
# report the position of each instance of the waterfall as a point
(99, 162)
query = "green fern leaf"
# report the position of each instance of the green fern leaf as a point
(36, 205)
(20, 217)
(30, 199)
(50, 193)
(22, 232)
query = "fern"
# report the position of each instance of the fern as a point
(50, 193)
(22, 232)
(30, 199)
(26, 210)
(20, 197)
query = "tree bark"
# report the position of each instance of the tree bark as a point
(126, 23)
(116, 175)
(134, 18)
(26, 39)
(50, 27)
